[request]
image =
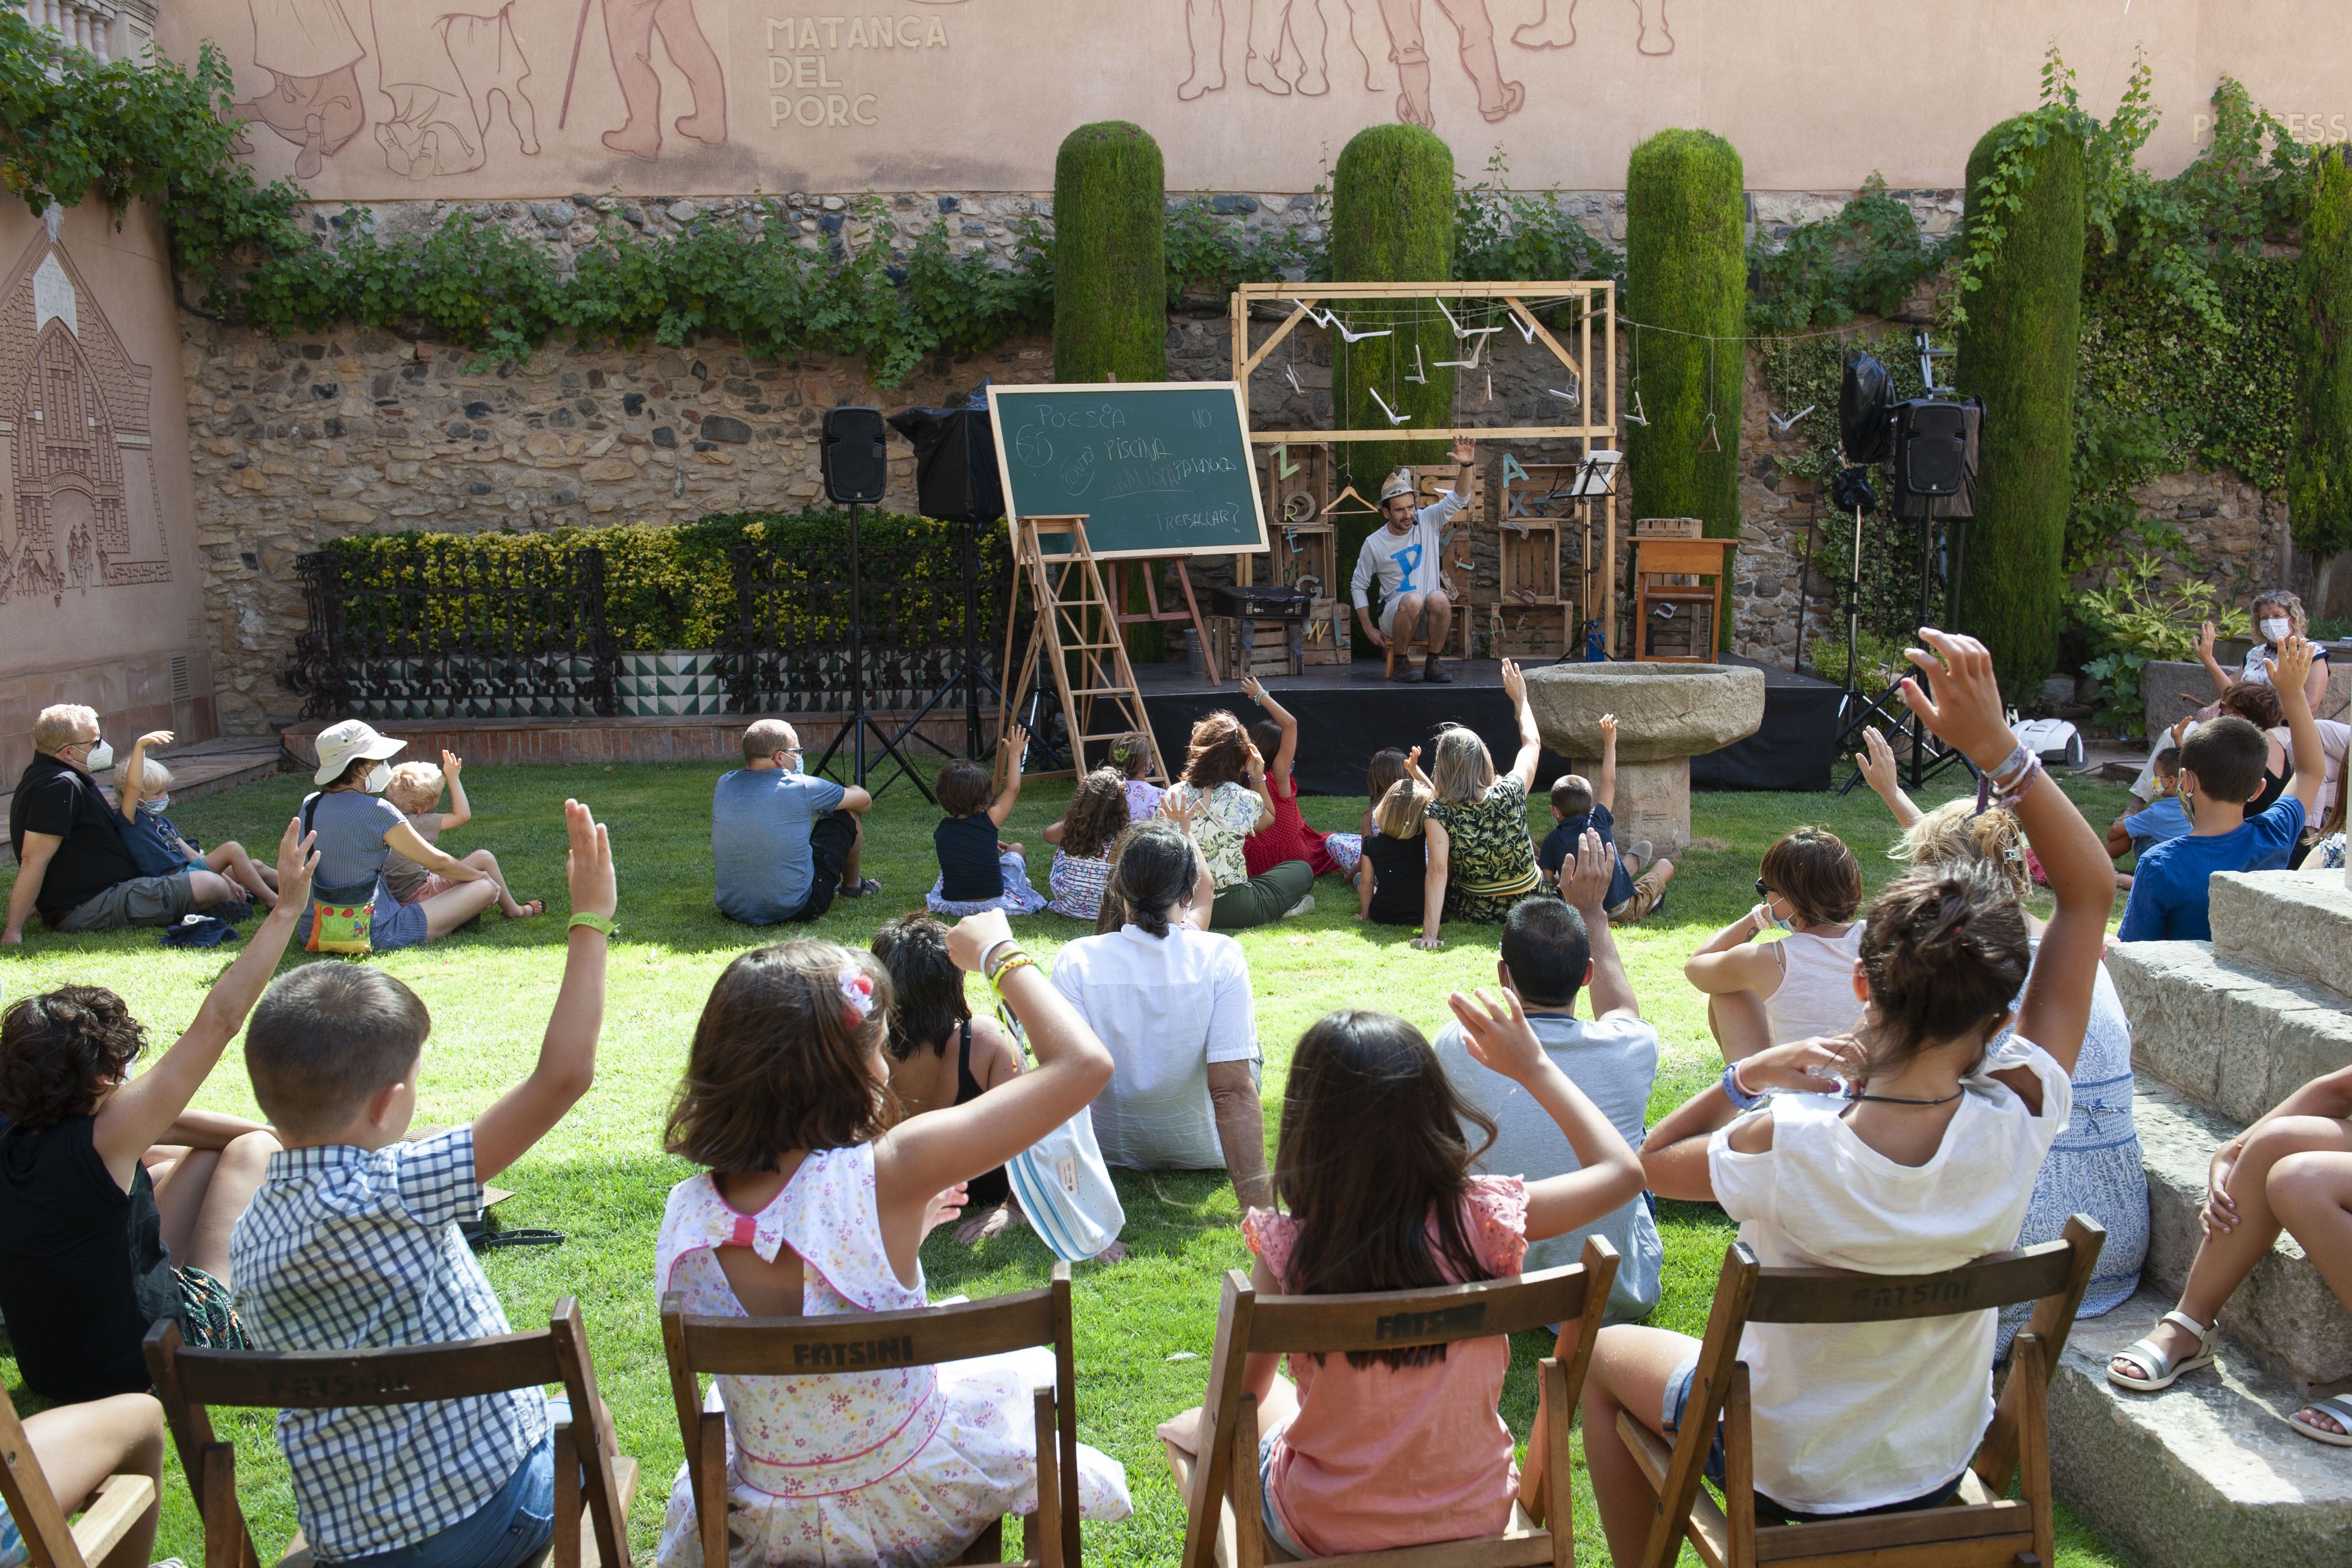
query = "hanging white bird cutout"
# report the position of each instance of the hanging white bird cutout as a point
(1291, 370)
(1420, 375)
(1790, 423)
(1394, 417)
(1356, 337)
(1634, 416)
(1471, 363)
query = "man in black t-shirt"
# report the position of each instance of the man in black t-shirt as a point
(71, 865)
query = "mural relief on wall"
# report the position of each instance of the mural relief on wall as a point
(79, 509)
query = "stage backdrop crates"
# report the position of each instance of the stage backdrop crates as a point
(1258, 631)
(1329, 637)
(1297, 483)
(1532, 616)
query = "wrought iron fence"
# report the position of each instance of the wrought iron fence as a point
(437, 630)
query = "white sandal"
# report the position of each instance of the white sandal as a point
(2336, 1407)
(2164, 1369)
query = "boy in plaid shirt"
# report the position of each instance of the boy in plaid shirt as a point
(352, 1242)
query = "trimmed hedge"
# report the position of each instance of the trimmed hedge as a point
(2319, 464)
(1110, 274)
(2018, 351)
(1391, 222)
(1687, 268)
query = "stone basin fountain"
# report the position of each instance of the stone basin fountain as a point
(1667, 714)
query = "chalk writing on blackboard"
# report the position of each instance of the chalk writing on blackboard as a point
(1152, 467)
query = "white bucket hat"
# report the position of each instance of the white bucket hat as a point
(339, 744)
(1399, 484)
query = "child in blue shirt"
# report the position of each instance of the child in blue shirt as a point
(1576, 805)
(2221, 764)
(143, 788)
(2163, 818)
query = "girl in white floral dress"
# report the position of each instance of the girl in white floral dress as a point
(901, 1467)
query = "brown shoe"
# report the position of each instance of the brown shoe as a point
(1430, 669)
(1649, 894)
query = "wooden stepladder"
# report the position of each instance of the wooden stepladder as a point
(1077, 628)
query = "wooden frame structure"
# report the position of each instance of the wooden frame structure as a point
(1980, 1528)
(1080, 630)
(1594, 365)
(591, 1476)
(1223, 1527)
(106, 1515)
(752, 1347)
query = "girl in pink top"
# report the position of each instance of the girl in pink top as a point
(1381, 1449)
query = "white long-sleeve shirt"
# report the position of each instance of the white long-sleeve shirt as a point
(1403, 563)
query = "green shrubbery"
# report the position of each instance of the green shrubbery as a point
(1110, 256)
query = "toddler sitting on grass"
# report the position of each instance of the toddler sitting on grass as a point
(416, 789)
(978, 870)
(142, 789)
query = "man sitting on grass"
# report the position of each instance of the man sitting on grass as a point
(782, 842)
(1550, 951)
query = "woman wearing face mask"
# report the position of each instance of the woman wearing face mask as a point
(1766, 993)
(356, 826)
(2277, 616)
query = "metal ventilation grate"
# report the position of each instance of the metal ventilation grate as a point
(182, 688)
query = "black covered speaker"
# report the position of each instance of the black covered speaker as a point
(956, 479)
(856, 462)
(1935, 458)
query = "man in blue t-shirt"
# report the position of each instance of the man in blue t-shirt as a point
(782, 842)
(2221, 769)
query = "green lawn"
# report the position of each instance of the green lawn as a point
(1144, 1326)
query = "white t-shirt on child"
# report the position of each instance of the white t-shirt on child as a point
(1851, 1416)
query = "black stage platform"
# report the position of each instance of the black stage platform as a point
(1346, 713)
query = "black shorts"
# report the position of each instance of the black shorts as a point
(831, 837)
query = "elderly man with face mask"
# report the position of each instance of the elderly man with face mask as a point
(1403, 557)
(71, 864)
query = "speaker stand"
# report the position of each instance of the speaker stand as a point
(857, 721)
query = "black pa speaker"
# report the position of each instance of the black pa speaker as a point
(1934, 458)
(855, 463)
(956, 477)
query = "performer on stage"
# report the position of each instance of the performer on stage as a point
(1404, 559)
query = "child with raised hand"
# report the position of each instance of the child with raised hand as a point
(353, 1243)
(1393, 1449)
(116, 1199)
(1287, 836)
(1082, 845)
(1924, 1158)
(2222, 764)
(815, 1201)
(416, 789)
(978, 870)
(1638, 886)
(143, 792)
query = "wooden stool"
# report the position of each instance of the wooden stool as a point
(1457, 639)
(1658, 561)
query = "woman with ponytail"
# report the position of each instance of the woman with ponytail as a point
(1907, 1146)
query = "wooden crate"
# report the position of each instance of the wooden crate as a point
(1545, 630)
(1330, 635)
(1259, 645)
(1668, 527)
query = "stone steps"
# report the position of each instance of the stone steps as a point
(2297, 923)
(2284, 1313)
(2234, 1036)
(2204, 1473)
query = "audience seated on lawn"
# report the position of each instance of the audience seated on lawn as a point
(353, 1243)
(1481, 860)
(941, 1054)
(1578, 804)
(1392, 875)
(359, 832)
(1769, 992)
(2221, 769)
(2292, 1170)
(1171, 1004)
(1373, 1450)
(1387, 768)
(1224, 792)
(814, 1201)
(2093, 1167)
(1924, 1158)
(76, 1448)
(1551, 950)
(1132, 755)
(72, 865)
(142, 793)
(416, 789)
(978, 870)
(2137, 832)
(116, 1199)
(1287, 836)
(782, 842)
(1082, 844)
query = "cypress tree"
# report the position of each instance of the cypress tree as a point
(1687, 268)
(2017, 351)
(1111, 263)
(2319, 464)
(1391, 222)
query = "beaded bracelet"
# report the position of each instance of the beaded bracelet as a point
(992, 966)
(2013, 765)
(1741, 1098)
(1018, 961)
(2011, 792)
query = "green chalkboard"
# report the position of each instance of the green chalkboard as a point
(1158, 467)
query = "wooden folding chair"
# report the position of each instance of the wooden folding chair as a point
(1222, 1521)
(107, 1514)
(760, 1347)
(1981, 1528)
(591, 1474)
